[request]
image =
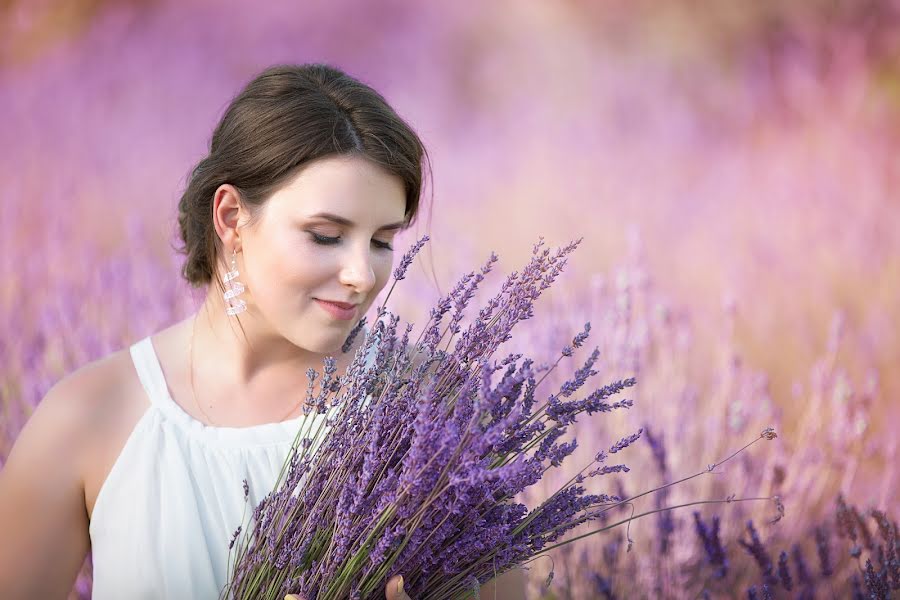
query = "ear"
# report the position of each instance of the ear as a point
(227, 213)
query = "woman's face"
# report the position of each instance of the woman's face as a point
(295, 256)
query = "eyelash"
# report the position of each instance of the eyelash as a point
(330, 241)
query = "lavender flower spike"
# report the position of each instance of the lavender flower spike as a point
(784, 572)
(758, 551)
(626, 441)
(578, 341)
(406, 261)
(415, 467)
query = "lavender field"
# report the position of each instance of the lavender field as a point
(732, 167)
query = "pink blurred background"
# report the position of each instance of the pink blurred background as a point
(747, 152)
(754, 148)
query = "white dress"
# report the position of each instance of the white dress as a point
(166, 512)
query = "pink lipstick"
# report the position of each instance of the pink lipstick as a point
(338, 310)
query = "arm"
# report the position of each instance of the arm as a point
(42, 511)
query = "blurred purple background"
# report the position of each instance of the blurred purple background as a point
(742, 157)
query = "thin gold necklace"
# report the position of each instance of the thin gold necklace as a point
(194, 393)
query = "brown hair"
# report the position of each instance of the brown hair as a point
(286, 117)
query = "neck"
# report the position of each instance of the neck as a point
(257, 363)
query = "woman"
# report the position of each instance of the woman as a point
(289, 224)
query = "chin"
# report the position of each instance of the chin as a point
(326, 343)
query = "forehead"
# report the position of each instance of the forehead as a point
(349, 186)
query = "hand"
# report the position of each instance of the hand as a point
(392, 591)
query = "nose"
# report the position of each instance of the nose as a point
(357, 271)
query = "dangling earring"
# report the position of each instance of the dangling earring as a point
(235, 289)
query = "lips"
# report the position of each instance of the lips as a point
(342, 311)
(344, 305)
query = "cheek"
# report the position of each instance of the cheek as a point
(283, 263)
(306, 267)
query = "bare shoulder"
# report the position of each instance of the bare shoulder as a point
(77, 402)
(87, 415)
(91, 397)
(42, 501)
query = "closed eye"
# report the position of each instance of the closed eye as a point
(330, 241)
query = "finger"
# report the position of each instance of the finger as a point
(394, 589)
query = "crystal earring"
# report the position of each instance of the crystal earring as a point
(235, 289)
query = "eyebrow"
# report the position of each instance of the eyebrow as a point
(348, 223)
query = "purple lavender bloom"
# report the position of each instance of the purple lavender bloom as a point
(234, 536)
(562, 451)
(625, 442)
(888, 532)
(406, 261)
(665, 524)
(876, 582)
(885, 527)
(348, 343)
(803, 576)
(420, 464)
(577, 341)
(581, 337)
(564, 413)
(846, 523)
(758, 551)
(657, 447)
(824, 552)
(611, 552)
(595, 402)
(784, 573)
(712, 545)
(603, 586)
(581, 375)
(892, 564)
(864, 535)
(606, 470)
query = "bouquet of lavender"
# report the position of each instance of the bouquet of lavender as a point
(411, 465)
